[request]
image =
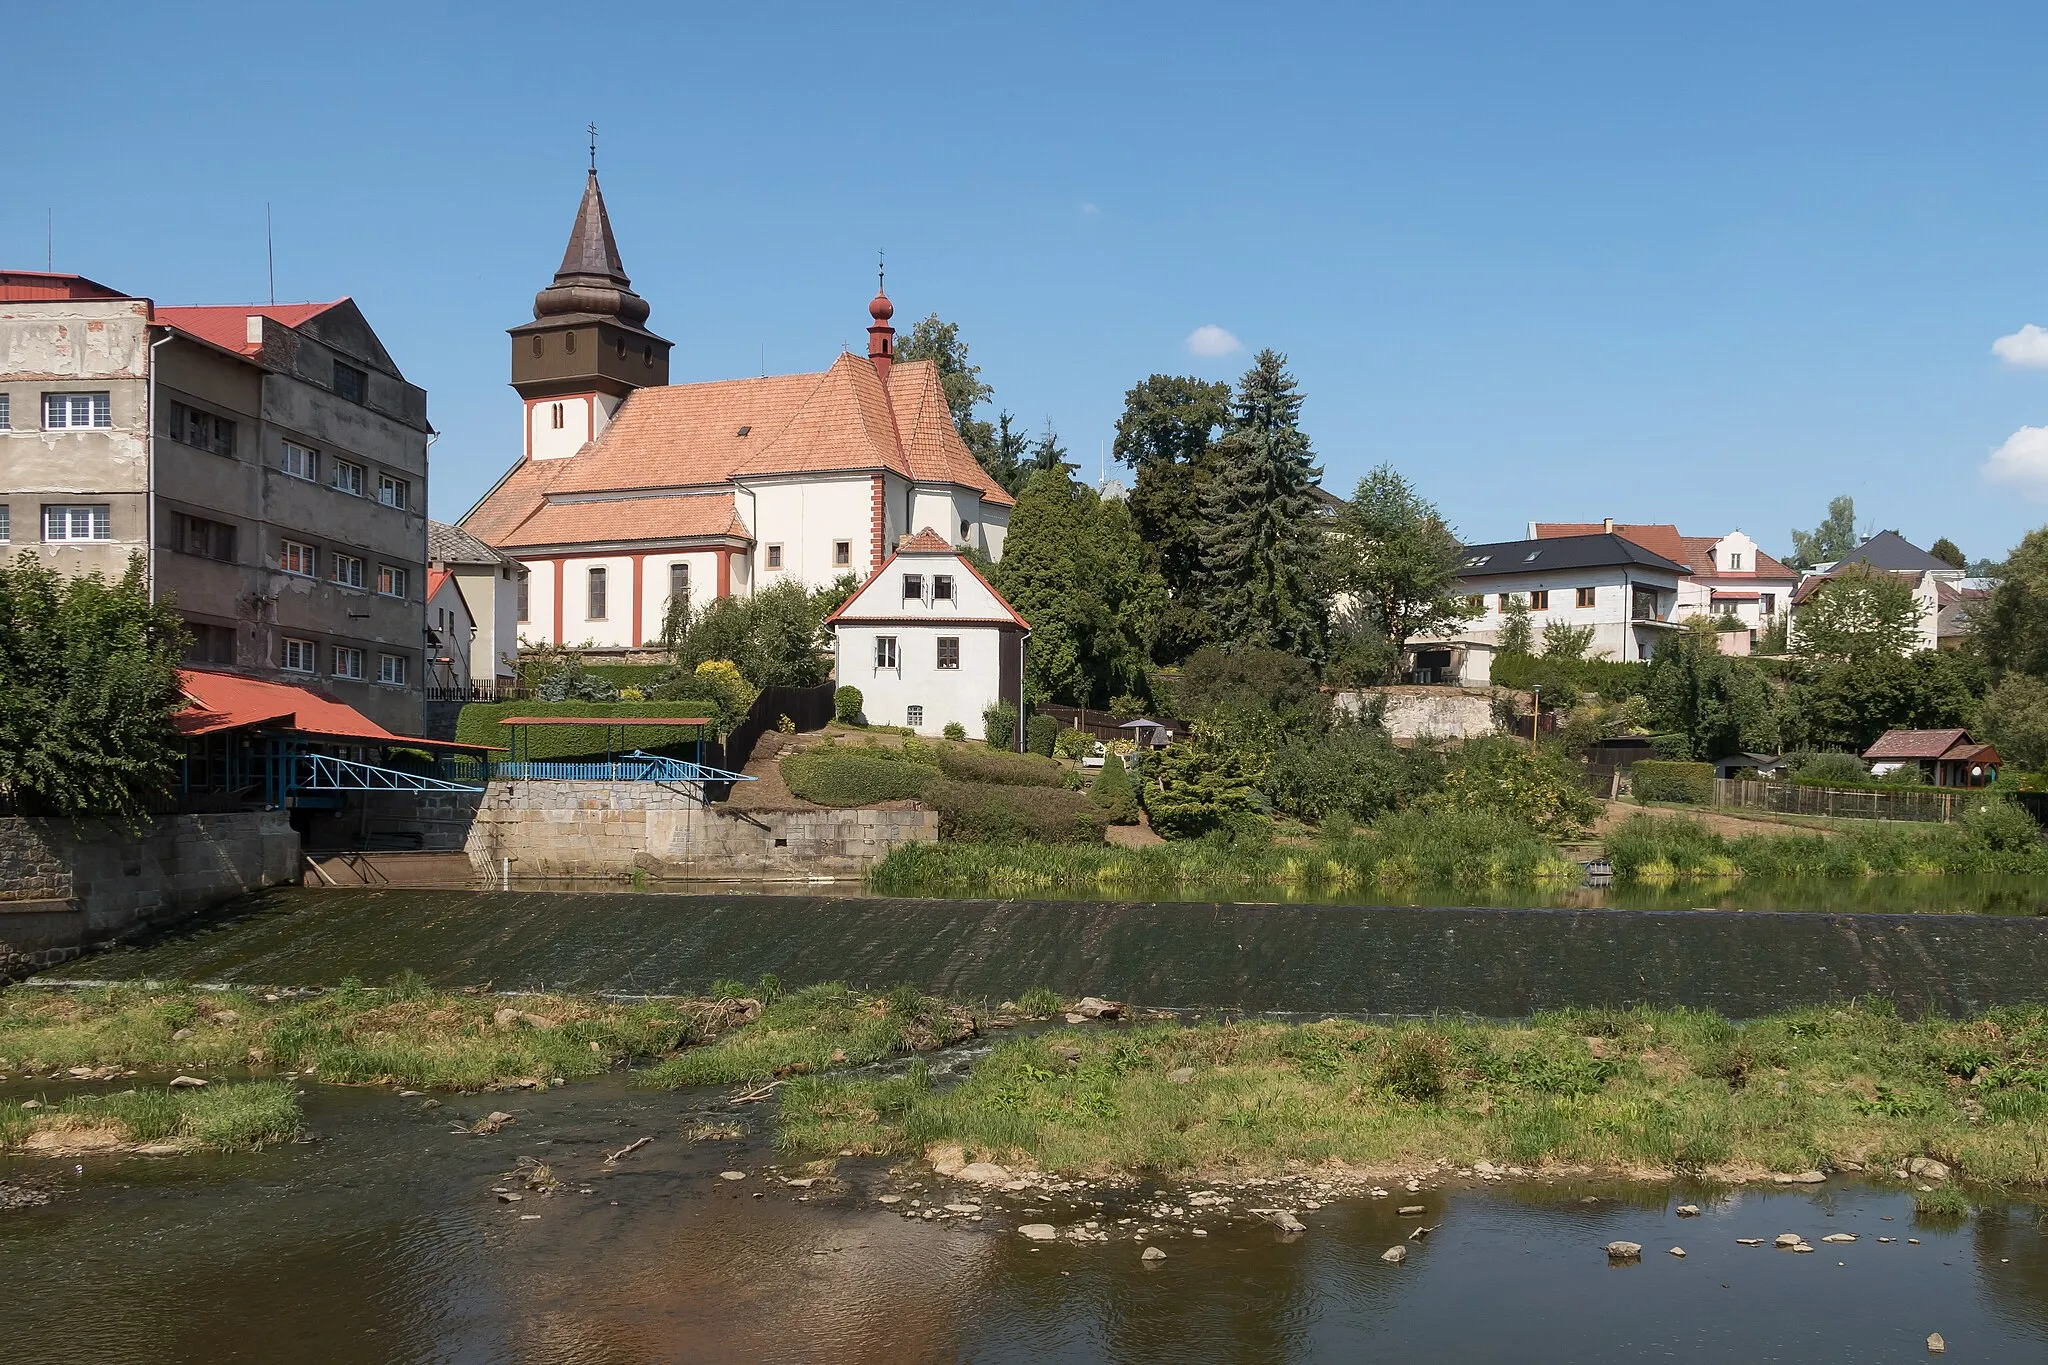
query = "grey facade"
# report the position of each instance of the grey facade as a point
(268, 463)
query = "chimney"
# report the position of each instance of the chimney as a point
(252, 329)
(1607, 526)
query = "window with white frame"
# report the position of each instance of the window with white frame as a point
(68, 411)
(5, 528)
(77, 521)
(297, 557)
(3, 412)
(949, 651)
(298, 656)
(391, 580)
(349, 478)
(595, 604)
(348, 571)
(391, 669)
(300, 462)
(913, 716)
(348, 663)
(913, 587)
(1734, 562)
(393, 491)
(942, 587)
(885, 651)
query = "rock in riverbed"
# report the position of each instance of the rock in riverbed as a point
(1281, 1219)
(1679, 1252)
(1394, 1255)
(1927, 1167)
(1624, 1251)
(1839, 1237)
(1803, 1178)
(1789, 1239)
(1039, 1232)
(1090, 1007)
(983, 1173)
(732, 1175)
(187, 1083)
(1152, 1254)
(1688, 1210)
(1935, 1345)
(1411, 1211)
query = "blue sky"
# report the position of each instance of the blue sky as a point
(1558, 262)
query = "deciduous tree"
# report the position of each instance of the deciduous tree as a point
(1858, 612)
(2012, 628)
(1397, 557)
(1829, 541)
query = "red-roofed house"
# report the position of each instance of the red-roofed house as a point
(1725, 576)
(1947, 758)
(631, 491)
(929, 642)
(267, 463)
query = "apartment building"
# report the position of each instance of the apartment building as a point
(267, 463)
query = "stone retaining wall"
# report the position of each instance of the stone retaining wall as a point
(68, 885)
(613, 829)
(1439, 712)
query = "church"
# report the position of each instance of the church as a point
(631, 491)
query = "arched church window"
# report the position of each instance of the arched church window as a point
(539, 345)
(569, 342)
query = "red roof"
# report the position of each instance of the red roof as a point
(1660, 537)
(228, 701)
(931, 544)
(435, 578)
(35, 286)
(1896, 744)
(226, 325)
(926, 541)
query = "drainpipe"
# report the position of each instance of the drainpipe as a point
(1023, 667)
(149, 473)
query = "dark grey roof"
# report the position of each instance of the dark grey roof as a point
(452, 545)
(1890, 550)
(1563, 552)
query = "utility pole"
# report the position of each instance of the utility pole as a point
(1535, 716)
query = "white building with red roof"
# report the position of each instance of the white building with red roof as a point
(929, 642)
(631, 491)
(1726, 575)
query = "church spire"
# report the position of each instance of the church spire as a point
(881, 336)
(592, 279)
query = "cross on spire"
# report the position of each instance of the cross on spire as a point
(878, 272)
(593, 148)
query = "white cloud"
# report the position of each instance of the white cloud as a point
(2022, 462)
(1209, 339)
(2026, 349)
(1090, 209)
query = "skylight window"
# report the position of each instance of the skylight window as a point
(1527, 558)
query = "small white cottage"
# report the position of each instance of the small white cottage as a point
(928, 642)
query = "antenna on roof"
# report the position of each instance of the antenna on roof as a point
(49, 239)
(593, 148)
(270, 251)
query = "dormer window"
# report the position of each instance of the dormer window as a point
(942, 587)
(913, 587)
(1734, 561)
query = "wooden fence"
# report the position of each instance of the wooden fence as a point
(808, 708)
(1934, 804)
(1101, 724)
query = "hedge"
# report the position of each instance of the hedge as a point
(1609, 678)
(836, 775)
(1661, 780)
(478, 724)
(973, 812)
(1009, 770)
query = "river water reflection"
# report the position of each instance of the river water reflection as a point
(383, 1242)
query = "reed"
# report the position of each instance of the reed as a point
(240, 1117)
(1654, 849)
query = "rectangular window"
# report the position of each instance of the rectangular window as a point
(1539, 600)
(348, 663)
(350, 382)
(1586, 597)
(201, 430)
(393, 492)
(206, 643)
(949, 651)
(913, 587)
(1476, 602)
(1643, 604)
(391, 581)
(842, 554)
(525, 599)
(1734, 562)
(1767, 601)
(391, 669)
(207, 539)
(5, 528)
(299, 656)
(348, 571)
(555, 417)
(1507, 599)
(67, 411)
(300, 462)
(594, 606)
(296, 558)
(3, 412)
(885, 651)
(774, 556)
(678, 582)
(913, 716)
(88, 521)
(942, 587)
(349, 478)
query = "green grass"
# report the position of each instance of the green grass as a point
(1650, 849)
(1636, 1091)
(240, 1117)
(813, 1030)
(1456, 848)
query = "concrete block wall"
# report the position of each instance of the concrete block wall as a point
(68, 885)
(605, 829)
(1415, 712)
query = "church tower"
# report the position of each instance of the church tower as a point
(588, 345)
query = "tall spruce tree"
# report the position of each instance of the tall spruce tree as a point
(1262, 544)
(1167, 435)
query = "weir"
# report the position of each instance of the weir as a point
(1402, 960)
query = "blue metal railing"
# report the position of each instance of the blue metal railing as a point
(633, 767)
(323, 772)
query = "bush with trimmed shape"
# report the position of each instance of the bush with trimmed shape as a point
(1659, 780)
(1040, 734)
(479, 724)
(973, 812)
(1007, 770)
(999, 725)
(846, 704)
(838, 775)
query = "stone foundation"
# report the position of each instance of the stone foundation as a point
(69, 885)
(1437, 712)
(614, 829)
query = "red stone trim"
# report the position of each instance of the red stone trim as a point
(558, 604)
(725, 572)
(639, 562)
(875, 521)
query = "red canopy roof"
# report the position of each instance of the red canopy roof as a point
(227, 701)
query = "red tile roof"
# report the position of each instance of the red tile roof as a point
(1898, 744)
(930, 543)
(37, 286)
(226, 325)
(658, 517)
(435, 578)
(228, 701)
(926, 541)
(1663, 538)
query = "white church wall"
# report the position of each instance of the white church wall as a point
(809, 519)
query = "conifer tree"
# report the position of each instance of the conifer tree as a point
(1260, 548)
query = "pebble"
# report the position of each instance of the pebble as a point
(1039, 1232)
(1624, 1251)
(186, 1083)
(1803, 1178)
(889, 1199)
(1152, 1254)
(963, 1208)
(1839, 1237)
(1935, 1345)
(1912, 1241)
(1679, 1252)
(1411, 1211)
(1688, 1210)
(1789, 1239)
(1883, 1240)
(1181, 1075)
(1749, 1241)
(732, 1175)
(1394, 1255)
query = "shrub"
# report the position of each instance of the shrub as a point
(1072, 743)
(1657, 780)
(1004, 770)
(954, 729)
(1543, 790)
(973, 812)
(721, 678)
(1040, 734)
(571, 681)
(1352, 769)
(1829, 767)
(1193, 790)
(833, 775)
(1113, 792)
(2000, 825)
(999, 725)
(846, 704)
(479, 724)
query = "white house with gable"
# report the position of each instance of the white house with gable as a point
(928, 642)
